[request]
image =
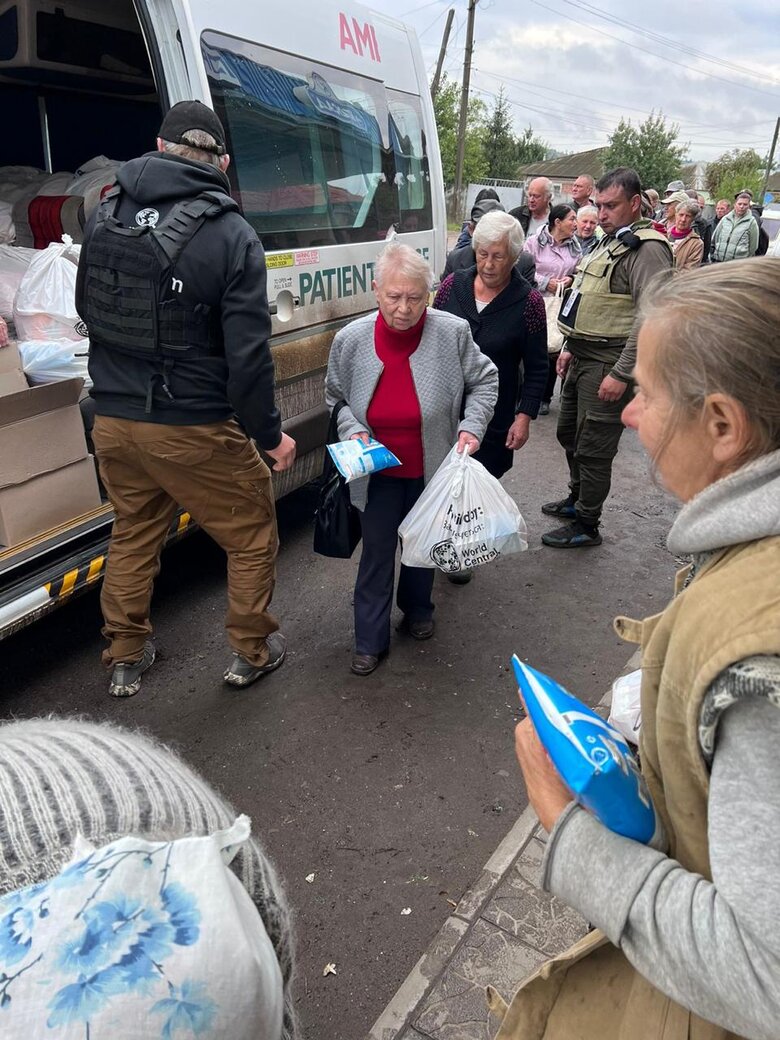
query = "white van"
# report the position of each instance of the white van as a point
(333, 144)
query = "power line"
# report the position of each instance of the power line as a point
(607, 127)
(580, 125)
(654, 54)
(438, 18)
(665, 41)
(621, 108)
(416, 10)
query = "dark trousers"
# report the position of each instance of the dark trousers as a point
(389, 500)
(552, 375)
(589, 430)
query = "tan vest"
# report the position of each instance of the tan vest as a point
(730, 611)
(591, 309)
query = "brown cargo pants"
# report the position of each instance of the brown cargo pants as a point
(215, 473)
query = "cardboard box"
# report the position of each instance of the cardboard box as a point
(41, 430)
(12, 378)
(48, 500)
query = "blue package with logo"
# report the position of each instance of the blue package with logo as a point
(592, 758)
(354, 459)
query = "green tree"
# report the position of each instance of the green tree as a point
(733, 171)
(446, 107)
(529, 148)
(650, 148)
(500, 147)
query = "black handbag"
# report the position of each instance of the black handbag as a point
(336, 522)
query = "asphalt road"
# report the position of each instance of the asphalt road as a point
(394, 789)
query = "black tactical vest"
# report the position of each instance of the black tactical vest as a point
(134, 303)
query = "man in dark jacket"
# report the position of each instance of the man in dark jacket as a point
(172, 285)
(534, 214)
(459, 259)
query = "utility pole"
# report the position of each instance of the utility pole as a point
(770, 160)
(442, 51)
(464, 101)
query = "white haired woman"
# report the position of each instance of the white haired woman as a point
(587, 237)
(695, 925)
(687, 244)
(404, 373)
(507, 319)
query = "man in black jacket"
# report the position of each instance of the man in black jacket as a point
(459, 259)
(172, 285)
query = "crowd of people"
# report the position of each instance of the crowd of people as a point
(126, 882)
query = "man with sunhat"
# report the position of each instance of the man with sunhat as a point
(172, 285)
(736, 236)
(669, 204)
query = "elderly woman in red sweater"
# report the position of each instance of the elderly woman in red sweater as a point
(403, 372)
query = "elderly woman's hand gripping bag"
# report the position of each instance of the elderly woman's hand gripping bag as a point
(463, 519)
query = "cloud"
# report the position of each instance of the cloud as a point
(563, 74)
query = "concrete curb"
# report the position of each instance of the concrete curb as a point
(430, 966)
(400, 1012)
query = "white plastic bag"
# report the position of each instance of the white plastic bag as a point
(552, 305)
(626, 712)
(45, 305)
(7, 229)
(48, 361)
(14, 263)
(90, 179)
(463, 519)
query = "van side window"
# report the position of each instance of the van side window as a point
(412, 179)
(310, 162)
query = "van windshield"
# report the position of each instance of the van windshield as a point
(317, 157)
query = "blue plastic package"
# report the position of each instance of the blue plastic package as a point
(354, 459)
(592, 758)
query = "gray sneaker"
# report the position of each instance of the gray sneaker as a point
(126, 676)
(241, 673)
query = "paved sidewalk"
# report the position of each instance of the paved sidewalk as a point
(502, 929)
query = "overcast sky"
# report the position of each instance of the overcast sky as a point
(572, 68)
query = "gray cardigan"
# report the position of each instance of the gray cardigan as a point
(446, 366)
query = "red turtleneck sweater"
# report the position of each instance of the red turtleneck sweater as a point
(394, 411)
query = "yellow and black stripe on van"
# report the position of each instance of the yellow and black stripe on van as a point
(52, 585)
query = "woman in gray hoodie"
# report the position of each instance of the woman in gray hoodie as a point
(695, 947)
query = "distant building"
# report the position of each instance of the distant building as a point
(694, 175)
(565, 170)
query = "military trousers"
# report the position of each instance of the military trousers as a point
(589, 431)
(215, 473)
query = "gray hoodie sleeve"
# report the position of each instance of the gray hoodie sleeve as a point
(714, 947)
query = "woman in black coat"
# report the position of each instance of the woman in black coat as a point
(509, 325)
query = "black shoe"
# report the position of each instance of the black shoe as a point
(564, 507)
(241, 673)
(126, 676)
(417, 629)
(544, 408)
(365, 664)
(460, 577)
(576, 535)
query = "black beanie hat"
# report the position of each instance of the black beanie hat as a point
(192, 115)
